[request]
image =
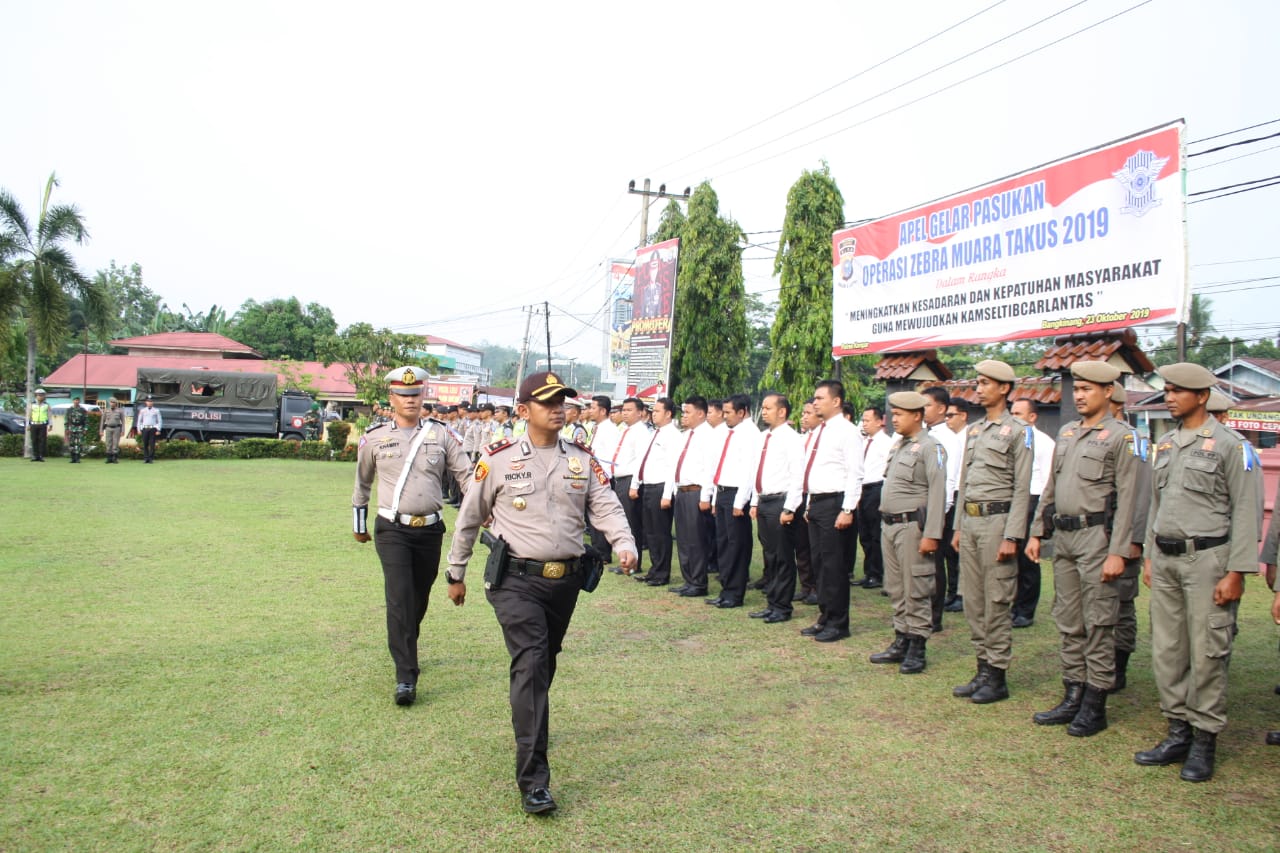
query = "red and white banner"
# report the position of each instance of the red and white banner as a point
(449, 393)
(622, 283)
(1092, 242)
(653, 305)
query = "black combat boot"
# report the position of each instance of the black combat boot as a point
(994, 689)
(1093, 714)
(1199, 764)
(914, 661)
(1171, 750)
(1122, 667)
(964, 691)
(896, 651)
(1066, 710)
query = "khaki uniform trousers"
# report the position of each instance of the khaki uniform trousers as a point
(988, 587)
(1084, 608)
(1191, 637)
(908, 578)
(1127, 590)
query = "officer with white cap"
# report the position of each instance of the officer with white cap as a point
(38, 424)
(411, 459)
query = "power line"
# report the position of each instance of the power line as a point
(1233, 186)
(1236, 192)
(1237, 157)
(1237, 130)
(1234, 144)
(1239, 261)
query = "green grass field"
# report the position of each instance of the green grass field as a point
(192, 656)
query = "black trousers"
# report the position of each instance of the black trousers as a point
(868, 518)
(804, 562)
(711, 541)
(148, 435)
(941, 562)
(534, 614)
(657, 531)
(829, 549)
(410, 561)
(1028, 595)
(689, 541)
(777, 543)
(39, 440)
(634, 513)
(733, 541)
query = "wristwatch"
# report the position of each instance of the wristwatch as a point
(450, 579)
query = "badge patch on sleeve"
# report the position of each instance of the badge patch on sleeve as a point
(601, 476)
(482, 470)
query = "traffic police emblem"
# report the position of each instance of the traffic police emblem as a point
(847, 248)
(1139, 177)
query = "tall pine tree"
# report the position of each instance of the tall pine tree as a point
(801, 336)
(710, 343)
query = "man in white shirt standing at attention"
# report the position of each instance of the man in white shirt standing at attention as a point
(730, 494)
(937, 401)
(1028, 597)
(654, 486)
(604, 440)
(777, 493)
(633, 439)
(875, 452)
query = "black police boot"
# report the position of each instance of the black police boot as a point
(1066, 710)
(994, 689)
(894, 653)
(406, 693)
(1122, 667)
(914, 661)
(1093, 714)
(1172, 749)
(1199, 764)
(964, 691)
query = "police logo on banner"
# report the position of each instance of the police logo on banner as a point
(1139, 177)
(847, 264)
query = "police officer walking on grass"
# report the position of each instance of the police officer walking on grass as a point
(411, 460)
(539, 491)
(1090, 492)
(1201, 541)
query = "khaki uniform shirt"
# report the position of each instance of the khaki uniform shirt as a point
(915, 477)
(383, 451)
(539, 500)
(112, 419)
(997, 467)
(1090, 465)
(1204, 485)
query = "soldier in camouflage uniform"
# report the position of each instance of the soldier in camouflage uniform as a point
(77, 422)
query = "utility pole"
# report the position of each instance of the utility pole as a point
(524, 347)
(546, 309)
(645, 201)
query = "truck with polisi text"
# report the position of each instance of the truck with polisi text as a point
(222, 405)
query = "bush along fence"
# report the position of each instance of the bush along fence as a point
(249, 448)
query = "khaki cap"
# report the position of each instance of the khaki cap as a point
(997, 370)
(1218, 402)
(1184, 374)
(1098, 372)
(1119, 395)
(908, 400)
(543, 387)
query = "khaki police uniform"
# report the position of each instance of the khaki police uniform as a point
(539, 499)
(112, 428)
(410, 466)
(913, 505)
(994, 491)
(1091, 490)
(1203, 524)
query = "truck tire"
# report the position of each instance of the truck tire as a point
(292, 436)
(182, 435)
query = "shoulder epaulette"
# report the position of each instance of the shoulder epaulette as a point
(581, 445)
(372, 427)
(500, 445)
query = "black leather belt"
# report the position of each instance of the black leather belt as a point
(826, 496)
(1079, 522)
(726, 489)
(976, 508)
(553, 569)
(776, 496)
(1176, 547)
(897, 517)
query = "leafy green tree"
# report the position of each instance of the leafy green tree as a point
(368, 353)
(801, 337)
(760, 316)
(38, 276)
(134, 303)
(710, 340)
(282, 328)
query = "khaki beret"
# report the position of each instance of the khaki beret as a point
(1095, 371)
(1184, 374)
(908, 400)
(1119, 395)
(1218, 402)
(997, 370)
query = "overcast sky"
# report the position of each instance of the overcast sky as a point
(434, 167)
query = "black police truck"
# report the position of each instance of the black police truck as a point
(223, 405)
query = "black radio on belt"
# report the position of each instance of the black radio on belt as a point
(496, 566)
(592, 565)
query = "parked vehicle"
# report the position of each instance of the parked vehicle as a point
(204, 405)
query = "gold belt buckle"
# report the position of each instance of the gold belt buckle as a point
(553, 570)
(974, 509)
(418, 521)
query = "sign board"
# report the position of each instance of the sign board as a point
(1086, 244)
(653, 306)
(1256, 421)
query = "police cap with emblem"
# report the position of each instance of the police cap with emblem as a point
(1184, 374)
(1097, 372)
(997, 370)
(908, 400)
(406, 381)
(543, 387)
(1218, 402)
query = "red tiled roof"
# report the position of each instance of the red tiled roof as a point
(1069, 349)
(1043, 389)
(202, 341)
(901, 366)
(1271, 365)
(436, 340)
(121, 371)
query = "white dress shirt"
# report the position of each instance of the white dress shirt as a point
(696, 456)
(780, 467)
(875, 457)
(632, 443)
(953, 443)
(1041, 461)
(657, 464)
(835, 461)
(603, 442)
(736, 463)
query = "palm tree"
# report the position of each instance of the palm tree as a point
(37, 275)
